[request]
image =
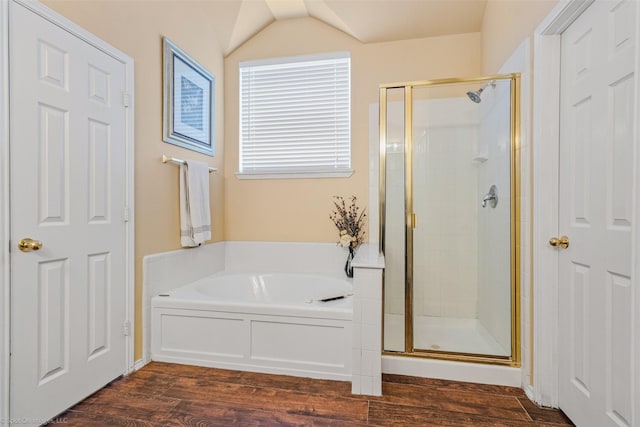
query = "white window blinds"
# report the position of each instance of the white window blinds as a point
(295, 115)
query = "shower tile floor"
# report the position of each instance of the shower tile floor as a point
(442, 334)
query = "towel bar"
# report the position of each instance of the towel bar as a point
(166, 159)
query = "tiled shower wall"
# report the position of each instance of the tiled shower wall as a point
(445, 198)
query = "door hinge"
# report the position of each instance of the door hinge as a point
(127, 329)
(125, 214)
(125, 99)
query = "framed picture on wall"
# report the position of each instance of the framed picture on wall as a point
(188, 101)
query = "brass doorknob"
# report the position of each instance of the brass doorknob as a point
(27, 245)
(563, 242)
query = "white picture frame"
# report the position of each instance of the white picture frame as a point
(188, 101)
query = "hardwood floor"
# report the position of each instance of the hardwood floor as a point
(163, 394)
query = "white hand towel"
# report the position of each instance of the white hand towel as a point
(195, 216)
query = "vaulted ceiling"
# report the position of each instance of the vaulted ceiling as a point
(365, 20)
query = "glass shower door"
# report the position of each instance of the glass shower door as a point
(461, 263)
(394, 220)
(449, 218)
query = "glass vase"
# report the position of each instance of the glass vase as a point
(348, 269)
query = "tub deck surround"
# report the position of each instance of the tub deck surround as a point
(339, 339)
(166, 271)
(278, 294)
(368, 256)
(270, 323)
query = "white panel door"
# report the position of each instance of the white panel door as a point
(596, 181)
(68, 192)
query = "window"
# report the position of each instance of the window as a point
(295, 117)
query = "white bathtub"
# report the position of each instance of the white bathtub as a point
(270, 323)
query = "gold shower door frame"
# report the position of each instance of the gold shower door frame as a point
(409, 350)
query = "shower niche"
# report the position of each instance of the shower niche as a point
(449, 218)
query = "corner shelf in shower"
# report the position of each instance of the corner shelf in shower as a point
(480, 158)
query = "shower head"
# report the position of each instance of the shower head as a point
(476, 95)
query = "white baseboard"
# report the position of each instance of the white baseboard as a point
(528, 390)
(140, 363)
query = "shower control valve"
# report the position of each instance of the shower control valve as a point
(491, 197)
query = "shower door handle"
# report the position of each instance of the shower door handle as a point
(562, 242)
(414, 220)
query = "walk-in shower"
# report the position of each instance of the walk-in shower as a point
(449, 218)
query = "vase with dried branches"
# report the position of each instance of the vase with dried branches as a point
(350, 222)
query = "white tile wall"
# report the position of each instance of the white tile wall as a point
(367, 332)
(165, 271)
(285, 257)
(445, 196)
(374, 169)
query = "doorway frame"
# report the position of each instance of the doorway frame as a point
(546, 166)
(5, 262)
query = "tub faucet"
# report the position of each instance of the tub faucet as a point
(491, 197)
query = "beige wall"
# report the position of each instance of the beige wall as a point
(505, 25)
(137, 28)
(298, 209)
(279, 210)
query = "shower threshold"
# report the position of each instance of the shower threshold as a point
(448, 334)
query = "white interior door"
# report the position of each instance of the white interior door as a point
(68, 178)
(596, 180)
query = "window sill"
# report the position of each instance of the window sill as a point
(295, 175)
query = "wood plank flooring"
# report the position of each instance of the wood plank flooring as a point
(163, 394)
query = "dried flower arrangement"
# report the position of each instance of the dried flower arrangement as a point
(350, 222)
